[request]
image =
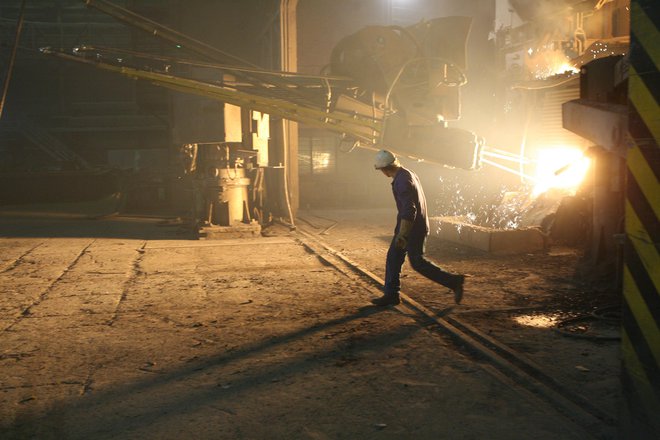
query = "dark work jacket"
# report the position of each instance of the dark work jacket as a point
(410, 201)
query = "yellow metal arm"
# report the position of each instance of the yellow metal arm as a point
(337, 121)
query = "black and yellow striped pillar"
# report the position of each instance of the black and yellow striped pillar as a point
(641, 285)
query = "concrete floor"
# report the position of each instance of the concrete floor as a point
(126, 328)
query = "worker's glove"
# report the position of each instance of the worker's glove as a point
(401, 239)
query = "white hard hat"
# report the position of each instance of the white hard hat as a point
(385, 158)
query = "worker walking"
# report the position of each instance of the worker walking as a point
(412, 228)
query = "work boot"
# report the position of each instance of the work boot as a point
(386, 300)
(458, 288)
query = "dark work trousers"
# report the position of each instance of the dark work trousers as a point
(415, 251)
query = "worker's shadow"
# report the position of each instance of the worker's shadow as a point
(126, 409)
(444, 312)
(424, 317)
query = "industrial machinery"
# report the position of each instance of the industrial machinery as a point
(225, 179)
(412, 78)
(219, 175)
(386, 86)
(564, 77)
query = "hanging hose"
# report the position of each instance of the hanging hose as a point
(17, 37)
(285, 147)
(287, 8)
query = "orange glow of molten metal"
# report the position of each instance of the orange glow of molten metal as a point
(560, 168)
(544, 64)
(566, 67)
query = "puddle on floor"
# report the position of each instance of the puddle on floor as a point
(538, 320)
(590, 326)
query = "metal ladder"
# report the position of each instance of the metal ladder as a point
(49, 144)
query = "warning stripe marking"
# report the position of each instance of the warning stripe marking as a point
(646, 324)
(644, 357)
(640, 136)
(640, 342)
(647, 252)
(645, 67)
(643, 100)
(634, 399)
(636, 380)
(647, 226)
(646, 31)
(645, 275)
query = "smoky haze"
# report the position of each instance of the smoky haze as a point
(115, 122)
(324, 23)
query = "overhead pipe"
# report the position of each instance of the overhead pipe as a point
(198, 47)
(163, 32)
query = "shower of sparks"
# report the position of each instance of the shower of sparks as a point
(500, 208)
(560, 169)
(546, 63)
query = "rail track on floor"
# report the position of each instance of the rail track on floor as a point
(507, 365)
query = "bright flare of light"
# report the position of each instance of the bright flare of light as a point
(565, 67)
(546, 63)
(560, 168)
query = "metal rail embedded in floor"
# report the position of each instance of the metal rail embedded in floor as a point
(507, 365)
